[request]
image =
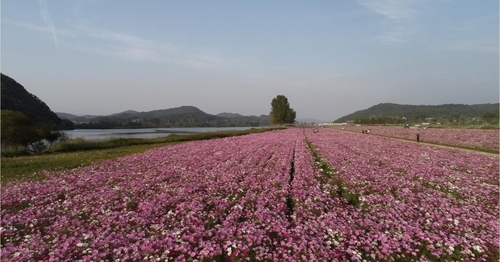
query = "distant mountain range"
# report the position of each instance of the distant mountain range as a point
(75, 118)
(15, 97)
(184, 116)
(390, 110)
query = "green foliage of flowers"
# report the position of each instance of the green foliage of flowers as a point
(342, 191)
(262, 197)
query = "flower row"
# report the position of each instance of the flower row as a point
(417, 199)
(469, 138)
(212, 199)
(261, 197)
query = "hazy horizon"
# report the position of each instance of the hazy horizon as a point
(330, 59)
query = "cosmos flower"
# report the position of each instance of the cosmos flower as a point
(262, 197)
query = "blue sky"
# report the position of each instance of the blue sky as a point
(329, 58)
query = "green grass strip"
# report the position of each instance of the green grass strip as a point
(333, 178)
(75, 145)
(78, 152)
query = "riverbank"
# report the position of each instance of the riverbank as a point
(102, 134)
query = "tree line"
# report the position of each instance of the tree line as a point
(21, 134)
(181, 120)
(487, 118)
(446, 112)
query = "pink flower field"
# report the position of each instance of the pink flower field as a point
(467, 138)
(289, 195)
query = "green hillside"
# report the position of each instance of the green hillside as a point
(422, 112)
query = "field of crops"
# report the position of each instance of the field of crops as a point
(467, 138)
(289, 195)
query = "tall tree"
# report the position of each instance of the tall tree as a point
(281, 113)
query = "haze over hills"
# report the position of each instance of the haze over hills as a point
(15, 97)
(76, 118)
(154, 113)
(184, 116)
(193, 116)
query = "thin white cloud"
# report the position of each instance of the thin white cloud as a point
(44, 11)
(399, 18)
(107, 35)
(119, 45)
(130, 47)
(396, 35)
(37, 28)
(395, 10)
(32, 27)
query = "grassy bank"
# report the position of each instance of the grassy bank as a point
(78, 152)
(84, 145)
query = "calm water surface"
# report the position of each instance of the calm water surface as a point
(99, 134)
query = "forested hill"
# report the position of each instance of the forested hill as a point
(184, 116)
(390, 110)
(16, 98)
(178, 116)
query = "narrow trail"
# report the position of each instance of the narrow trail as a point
(425, 143)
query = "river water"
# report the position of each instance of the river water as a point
(100, 134)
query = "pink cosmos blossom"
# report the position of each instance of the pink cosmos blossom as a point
(262, 197)
(468, 138)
